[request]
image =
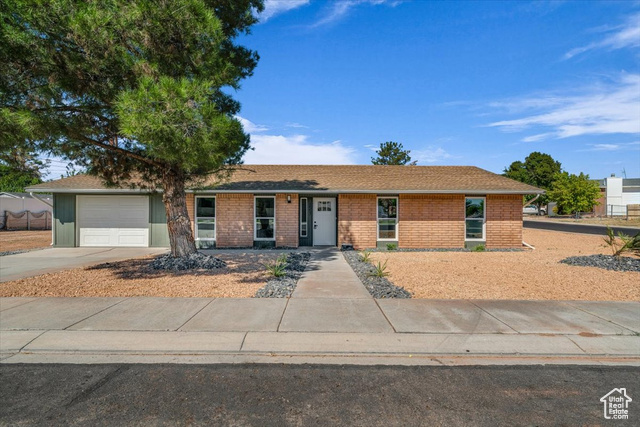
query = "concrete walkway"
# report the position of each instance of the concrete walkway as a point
(330, 318)
(184, 330)
(35, 263)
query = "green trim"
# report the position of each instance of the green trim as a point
(158, 231)
(64, 217)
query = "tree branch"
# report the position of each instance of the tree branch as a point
(119, 150)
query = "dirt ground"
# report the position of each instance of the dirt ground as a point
(244, 275)
(530, 275)
(24, 240)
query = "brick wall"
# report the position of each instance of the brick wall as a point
(431, 221)
(191, 210)
(357, 220)
(234, 220)
(287, 221)
(504, 221)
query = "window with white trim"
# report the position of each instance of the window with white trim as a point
(474, 218)
(265, 218)
(205, 218)
(387, 218)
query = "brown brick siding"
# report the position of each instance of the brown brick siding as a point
(431, 221)
(287, 221)
(191, 209)
(234, 220)
(504, 221)
(357, 220)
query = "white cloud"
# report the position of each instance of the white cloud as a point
(600, 109)
(276, 7)
(296, 125)
(614, 147)
(340, 9)
(622, 36)
(296, 150)
(251, 127)
(430, 155)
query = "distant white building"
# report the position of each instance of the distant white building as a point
(618, 194)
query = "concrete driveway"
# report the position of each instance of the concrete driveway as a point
(35, 263)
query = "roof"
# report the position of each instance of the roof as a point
(14, 195)
(330, 179)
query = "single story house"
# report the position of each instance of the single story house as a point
(366, 206)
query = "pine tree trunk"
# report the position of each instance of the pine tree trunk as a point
(178, 222)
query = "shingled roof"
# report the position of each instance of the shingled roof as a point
(331, 179)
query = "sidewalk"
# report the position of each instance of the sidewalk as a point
(330, 318)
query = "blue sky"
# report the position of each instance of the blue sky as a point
(458, 83)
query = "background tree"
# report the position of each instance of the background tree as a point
(539, 170)
(392, 153)
(574, 193)
(19, 168)
(136, 92)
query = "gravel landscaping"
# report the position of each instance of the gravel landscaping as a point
(378, 287)
(607, 262)
(527, 275)
(243, 275)
(15, 242)
(192, 262)
(283, 287)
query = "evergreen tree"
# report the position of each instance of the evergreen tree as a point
(134, 91)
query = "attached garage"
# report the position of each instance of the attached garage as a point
(113, 221)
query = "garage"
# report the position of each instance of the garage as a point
(113, 221)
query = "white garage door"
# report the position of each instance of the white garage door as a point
(113, 220)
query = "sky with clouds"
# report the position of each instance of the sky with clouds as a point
(457, 83)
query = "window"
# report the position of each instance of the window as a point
(324, 206)
(474, 218)
(265, 214)
(205, 218)
(303, 217)
(387, 218)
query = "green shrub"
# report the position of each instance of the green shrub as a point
(391, 246)
(380, 270)
(625, 244)
(479, 248)
(365, 256)
(277, 268)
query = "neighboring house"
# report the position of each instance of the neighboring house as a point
(20, 202)
(617, 194)
(291, 206)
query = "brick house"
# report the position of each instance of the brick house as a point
(297, 205)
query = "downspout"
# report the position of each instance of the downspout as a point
(524, 206)
(48, 204)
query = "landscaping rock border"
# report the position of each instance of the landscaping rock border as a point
(607, 262)
(197, 261)
(378, 287)
(283, 287)
(5, 253)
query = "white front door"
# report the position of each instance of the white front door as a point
(324, 221)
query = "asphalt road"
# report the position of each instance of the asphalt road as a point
(579, 228)
(281, 395)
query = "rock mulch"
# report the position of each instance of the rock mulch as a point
(283, 287)
(197, 261)
(378, 287)
(608, 262)
(5, 253)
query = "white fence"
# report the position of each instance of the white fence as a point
(626, 211)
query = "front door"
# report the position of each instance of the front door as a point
(324, 221)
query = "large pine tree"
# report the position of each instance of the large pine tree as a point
(130, 89)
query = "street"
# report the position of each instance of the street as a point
(578, 228)
(310, 395)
